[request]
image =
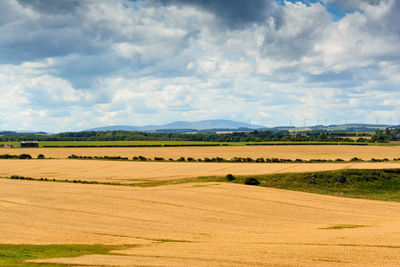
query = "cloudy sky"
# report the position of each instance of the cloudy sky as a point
(72, 65)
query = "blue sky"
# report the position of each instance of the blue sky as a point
(72, 65)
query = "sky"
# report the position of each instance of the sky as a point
(70, 65)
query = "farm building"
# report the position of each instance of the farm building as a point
(8, 146)
(29, 144)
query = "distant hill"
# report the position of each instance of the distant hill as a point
(194, 125)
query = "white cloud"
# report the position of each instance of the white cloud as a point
(76, 65)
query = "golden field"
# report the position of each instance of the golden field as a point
(128, 171)
(304, 152)
(211, 224)
(197, 224)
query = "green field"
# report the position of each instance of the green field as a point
(16, 255)
(369, 184)
(118, 143)
(181, 143)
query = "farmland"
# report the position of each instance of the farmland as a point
(179, 213)
(293, 152)
(185, 143)
(136, 172)
(182, 225)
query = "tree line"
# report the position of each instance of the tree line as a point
(253, 136)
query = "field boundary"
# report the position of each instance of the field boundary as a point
(376, 184)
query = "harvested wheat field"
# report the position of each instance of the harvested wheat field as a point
(201, 224)
(304, 152)
(127, 172)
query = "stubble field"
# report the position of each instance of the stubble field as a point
(135, 172)
(201, 225)
(196, 224)
(306, 152)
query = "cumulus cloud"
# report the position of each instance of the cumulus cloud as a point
(235, 13)
(301, 28)
(78, 64)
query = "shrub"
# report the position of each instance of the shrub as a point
(341, 179)
(142, 158)
(24, 156)
(252, 181)
(181, 159)
(40, 156)
(230, 177)
(218, 159)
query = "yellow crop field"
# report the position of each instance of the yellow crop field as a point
(214, 224)
(285, 151)
(128, 172)
(195, 224)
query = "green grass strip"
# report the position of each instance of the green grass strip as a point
(343, 226)
(378, 184)
(185, 143)
(16, 255)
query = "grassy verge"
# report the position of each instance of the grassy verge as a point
(183, 143)
(16, 255)
(382, 184)
(137, 183)
(378, 184)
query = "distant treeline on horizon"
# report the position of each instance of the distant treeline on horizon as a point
(252, 136)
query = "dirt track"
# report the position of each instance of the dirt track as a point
(284, 151)
(126, 172)
(201, 224)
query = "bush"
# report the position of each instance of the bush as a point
(252, 181)
(230, 177)
(24, 156)
(341, 179)
(142, 158)
(40, 156)
(181, 159)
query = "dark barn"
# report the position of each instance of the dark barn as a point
(29, 144)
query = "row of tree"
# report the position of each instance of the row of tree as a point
(253, 136)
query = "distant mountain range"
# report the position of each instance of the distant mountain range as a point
(209, 126)
(182, 125)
